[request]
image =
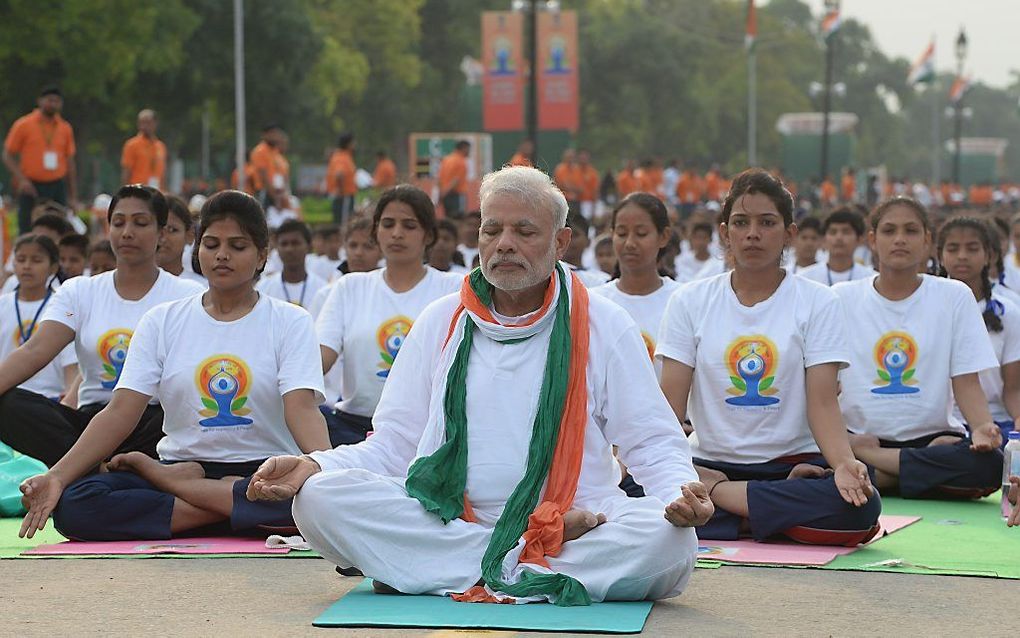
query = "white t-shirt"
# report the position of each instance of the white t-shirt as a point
(591, 278)
(334, 377)
(276, 216)
(645, 310)
(12, 282)
(1006, 345)
(468, 254)
(688, 266)
(747, 401)
(904, 355)
(103, 323)
(821, 273)
(366, 322)
(49, 381)
(1011, 272)
(222, 393)
(324, 267)
(300, 294)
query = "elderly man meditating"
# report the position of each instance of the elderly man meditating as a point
(491, 473)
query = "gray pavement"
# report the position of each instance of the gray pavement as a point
(279, 597)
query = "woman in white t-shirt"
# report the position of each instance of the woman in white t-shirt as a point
(180, 232)
(36, 260)
(964, 248)
(367, 315)
(917, 343)
(752, 357)
(245, 390)
(98, 314)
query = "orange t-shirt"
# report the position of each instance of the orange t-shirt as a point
(626, 183)
(569, 178)
(145, 160)
(828, 192)
(385, 175)
(519, 160)
(849, 186)
(341, 163)
(453, 166)
(589, 184)
(265, 158)
(688, 188)
(713, 186)
(653, 180)
(43, 146)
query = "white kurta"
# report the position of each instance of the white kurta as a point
(364, 517)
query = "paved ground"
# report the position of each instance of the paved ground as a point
(279, 597)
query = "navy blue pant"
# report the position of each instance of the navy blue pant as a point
(119, 506)
(345, 428)
(806, 509)
(946, 471)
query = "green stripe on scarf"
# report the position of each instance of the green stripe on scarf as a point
(438, 481)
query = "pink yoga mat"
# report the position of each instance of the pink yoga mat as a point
(222, 545)
(781, 553)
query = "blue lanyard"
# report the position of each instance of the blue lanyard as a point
(35, 319)
(304, 286)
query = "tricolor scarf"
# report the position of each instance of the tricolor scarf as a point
(438, 477)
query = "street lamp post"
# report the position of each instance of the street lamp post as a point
(961, 54)
(830, 41)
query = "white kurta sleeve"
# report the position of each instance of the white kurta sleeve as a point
(640, 422)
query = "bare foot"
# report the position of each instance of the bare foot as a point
(807, 470)
(162, 476)
(863, 442)
(945, 440)
(709, 477)
(576, 523)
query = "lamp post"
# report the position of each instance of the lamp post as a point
(531, 8)
(831, 6)
(961, 54)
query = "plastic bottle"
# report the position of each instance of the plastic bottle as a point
(1010, 467)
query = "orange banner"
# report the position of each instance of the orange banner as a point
(557, 59)
(503, 82)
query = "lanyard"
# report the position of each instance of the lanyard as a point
(304, 286)
(35, 319)
(47, 131)
(828, 273)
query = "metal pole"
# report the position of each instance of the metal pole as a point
(239, 106)
(205, 142)
(752, 108)
(936, 164)
(957, 126)
(533, 81)
(827, 105)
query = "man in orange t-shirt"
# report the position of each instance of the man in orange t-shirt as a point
(828, 192)
(453, 177)
(385, 174)
(713, 185)
(271, 167)
(567, 176)
(340, 178)
(848, 186)
(688, 191)
(143, 159)
(589, 184)
(44, 145)
(523, 155)
(626, 181)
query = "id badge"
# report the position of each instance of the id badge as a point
(154, 182)
(49, 160)
(278, 181)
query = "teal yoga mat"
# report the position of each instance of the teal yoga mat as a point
(360, 607)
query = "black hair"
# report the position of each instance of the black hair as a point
(810, 223)
(243, 209)
(463, 144)
(102, 246)
(52, 89)
(650, 204)
(179, 209)
(420, 203)
(473, 214)
(845, 215)
(757, 180)
(993, 311)
(44, 242)
(580, 224)
(358, 224)
(448, 226)
(328, 230)
(997, 256)
(702, 227)
(908, 202)
(345, 140)
(56, 223)
(76, 241)
(272, 126)
(295, 226)
(158, 205)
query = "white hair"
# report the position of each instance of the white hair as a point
(529, 185)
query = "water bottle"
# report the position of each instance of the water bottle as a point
(1010, 467)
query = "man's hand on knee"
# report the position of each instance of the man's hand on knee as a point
(280, 478)
(693, 508)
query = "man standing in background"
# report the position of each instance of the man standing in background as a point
(143, 160)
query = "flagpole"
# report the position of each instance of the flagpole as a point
(752, 107)
(936, 135)
(239, 106)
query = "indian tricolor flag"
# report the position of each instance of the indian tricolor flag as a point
(960, 86)
(751, 31)
(924, 69)
(831, 23)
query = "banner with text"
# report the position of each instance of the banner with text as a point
(503, 82)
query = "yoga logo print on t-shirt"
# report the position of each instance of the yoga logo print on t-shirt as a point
(649, 343)
(112, 348)
(223, 382)
(27, 329)
(896, 358)
(391, 335)
(752, 361)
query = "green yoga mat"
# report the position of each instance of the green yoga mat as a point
(967, 538)
(360, 607)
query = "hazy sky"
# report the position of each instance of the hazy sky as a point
(902, 28)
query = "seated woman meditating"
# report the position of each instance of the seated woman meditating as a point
(240, 377)
(752, 357)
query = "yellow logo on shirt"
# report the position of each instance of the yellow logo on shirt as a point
(896, 358)
(223, 381)
(390, 336)
(752, 361)
(649, 344)
(112, 349)
(27, 329)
